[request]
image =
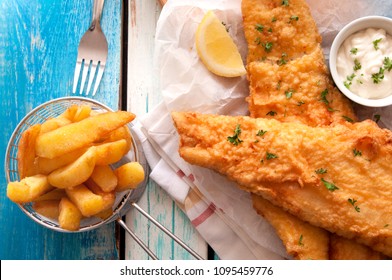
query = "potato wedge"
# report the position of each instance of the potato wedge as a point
(26, 151)
(129, 176)
(103, 215)
(82, 113)
(74, 173)
(28, 189)
(55, 194)
(111, 152)
(80, 134)
(47, 165)
(69, 215)
(104, 177)
(108, 197)
(70, 112)
(47, 208)
(54, 123)
(118, 134)
(85, 200)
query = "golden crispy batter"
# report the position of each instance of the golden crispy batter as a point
(290, 83)
(350, 192)
(299, 91)
(273, 29)
(302, 240)
(346, 249)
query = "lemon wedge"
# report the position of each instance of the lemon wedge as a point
(217, 49)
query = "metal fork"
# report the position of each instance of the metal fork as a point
(92, 53)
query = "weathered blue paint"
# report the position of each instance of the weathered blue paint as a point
(38, 48)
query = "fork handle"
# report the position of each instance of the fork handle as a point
(97, 13)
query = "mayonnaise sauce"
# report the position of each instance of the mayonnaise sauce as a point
(362, 63)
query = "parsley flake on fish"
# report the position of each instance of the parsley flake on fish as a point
(235, 139)
(330, 186)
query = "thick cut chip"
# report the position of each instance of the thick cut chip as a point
(28, 189)
(47, 165)
(111, 152)
(69, 215)
(129, 176)
(74, 173)
(87, 202)
(47, 208)
(82, 113)
(104, 177)
(26, 151)
(55, 194)
(54, 123)
(108, 197)
(80, 134)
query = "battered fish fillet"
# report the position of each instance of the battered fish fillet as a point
(289, 81)
(302, 240)
(338, 178)
(346, 249)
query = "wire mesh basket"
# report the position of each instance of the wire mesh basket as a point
(53, 109)
(124, 200)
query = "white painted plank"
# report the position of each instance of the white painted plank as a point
(143, 95)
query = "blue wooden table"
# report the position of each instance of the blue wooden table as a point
(38, 49)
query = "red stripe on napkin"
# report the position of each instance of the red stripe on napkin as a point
(204, 216)
(180, 173)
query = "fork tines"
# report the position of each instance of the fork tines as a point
(93, 69)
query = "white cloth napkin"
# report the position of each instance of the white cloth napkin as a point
(221, 212)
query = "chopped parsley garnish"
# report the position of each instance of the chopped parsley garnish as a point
(274, 19)
(282, 60)
(352, 202)
(278, 85)
(271, 156)
(354, 51)
(270, 29)
(321, 171)
(289, 93)
(285, 3)
(267, 46)
(235, 139)
(350, 78)
(348, 119)
(261, 132)
(357, 153)
(271, 113)
(324, 96)
(259, 27)
(378, 77)
(375, 44)
(300, 243)
(300, 103)
(357, 65)
(330, 186)
(377, 118)
(293, 18)
(258, 41)
(388, 64)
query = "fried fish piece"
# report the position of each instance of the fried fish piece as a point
(302, 240)
(346, 249)
(289, 81)
(338, 178)
(276, 28)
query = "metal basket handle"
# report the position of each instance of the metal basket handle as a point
(161, 227)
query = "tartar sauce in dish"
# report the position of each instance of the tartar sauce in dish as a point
(364, 63)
